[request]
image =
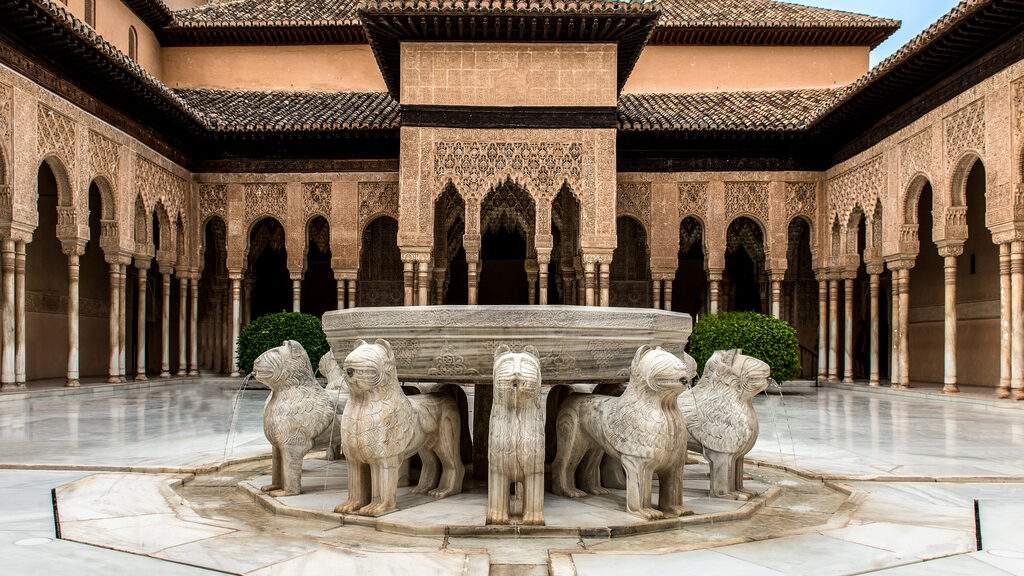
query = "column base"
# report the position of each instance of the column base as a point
(193, 373)
(181, 373)
(874, 383)
(235, 374)
(8, 387)
(1018, 394)
(122, 380)
(140, 378)
(950, 389)
(1003, 392)
(848, 380)
(73, 383)
(165, 374)
(114, 380)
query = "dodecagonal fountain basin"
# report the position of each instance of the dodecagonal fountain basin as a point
(457, 343)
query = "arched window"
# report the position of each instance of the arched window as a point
(90, 12)
(133, 43)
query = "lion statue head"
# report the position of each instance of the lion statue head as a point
(659, 371)
(329, 368)
(747, 375)
(370, 367)
(517, 378)
(286, 365)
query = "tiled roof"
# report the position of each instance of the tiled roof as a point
(252, 111)
(768, 111)
(270, 13)
(760, 14)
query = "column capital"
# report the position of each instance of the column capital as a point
(900, 263)
(72, 246)
(142, 262)
(949, 248)
(874, 267)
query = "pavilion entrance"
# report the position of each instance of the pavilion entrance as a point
(506, 248)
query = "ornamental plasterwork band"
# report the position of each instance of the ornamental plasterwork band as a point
(540, 161)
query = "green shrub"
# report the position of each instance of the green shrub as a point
(763, 337)
(271, 330)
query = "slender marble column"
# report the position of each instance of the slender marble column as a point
(1017, 318)
(1005, 321)
(904, 327)
(874, 288)
(296, 294)
(246, 289)
(113, 328)
(20, 374)
(352, 292)
(193, 368)
(122, 328)
(655, 293)
(236, 323)
(140, 326)
(949, 255)
(182, 325)
(542, 288)
(848, 331)
(423, 283)
(776, 295)
(822, 328)
(471, 277)
(894, 360)
(165, 325)
(605, 285)
(833, 330)
(409, 279)
(667, 304)
(341, 293)
(714, 284)
(72, 380)
(8, 372)
(588, 274)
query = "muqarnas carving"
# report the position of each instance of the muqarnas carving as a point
(297, 413)
(720, 417)
(330, 370)
(382, 427)
(643, 428)
(515, 450)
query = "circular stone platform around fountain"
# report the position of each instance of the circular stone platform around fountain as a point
(324, 482)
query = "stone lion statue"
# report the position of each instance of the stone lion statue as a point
(330, 370)
(720, 417)
(297, 412)
(382, 427)
(515, 450)
(642, 428)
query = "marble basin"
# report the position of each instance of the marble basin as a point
(456, 343)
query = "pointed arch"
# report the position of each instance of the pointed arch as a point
(958, 178)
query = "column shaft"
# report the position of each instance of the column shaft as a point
(714, 284)
(605, 285)
(140, 327)
(471, 279)
(352, 292)
(904, 328)
(423, 284)
(949, 374)
(72, 380)
(542, 288)
(873, 376)
(655, 293)
(122, 327)
(822, 329)
(1005, 321)
(1017, 318)
(589, 282)
(182, 325)
(165, 325)
(833, 330)
(113, 329)
(341, 293)
(894, 345)
(848, 331)
(236, 323)
(193, 368)
(408, 278)
(19, 313)
(668, 294)
(296, 295)
(8, 371)
(776, 297)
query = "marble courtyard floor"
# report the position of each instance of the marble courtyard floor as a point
(852, 482)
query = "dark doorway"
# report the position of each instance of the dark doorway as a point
(319, 288)
(268, 269)
(690, 286)
(380, 281)
(743, 283)
(630, 273)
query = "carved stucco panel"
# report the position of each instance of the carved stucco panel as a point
(212, 201)
(264, 199)
(693, 200)
(103, 158)
(747, 199)
(915, 154)
(316, 199)
(377, 199)
(634, 199)
(965, 130)
(156, 184)
(6, 118)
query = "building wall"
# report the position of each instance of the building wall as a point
(735, 68)
(112, 21)
(340, 67)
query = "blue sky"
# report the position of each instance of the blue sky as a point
(915, 14)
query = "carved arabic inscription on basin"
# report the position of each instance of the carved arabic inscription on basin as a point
(457, 343)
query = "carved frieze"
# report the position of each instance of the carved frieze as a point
(316, 199)
(634, 199)
(264, 199)
(965, 130)
(693, 199)
(541, 167)
(859, 186)
(56, 135)
(376, 199)
(212, 200)
(156, 183)
(103, 157)
(747, 198)
(915, 156)
(6, 114)
(801, 199)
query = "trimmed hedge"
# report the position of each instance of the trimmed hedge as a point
(763, 337)
(271, 330)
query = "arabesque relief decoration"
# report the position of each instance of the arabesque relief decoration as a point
(212, 201)
(747, 199)
(103, 157)
(264, 199)
(316, 199)
(157, 184)
(693, 199)
(915, 156)
(634, 199)
(965, 130)
(56, 134)
(377, 199)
